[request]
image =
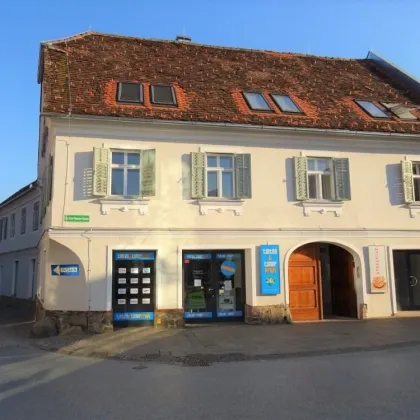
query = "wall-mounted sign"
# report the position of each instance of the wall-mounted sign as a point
(197, 257)
(228, 256)
(228, 268)
(134, 316)
(198, 315)
(229, 314)
(134, 256)
(377, 269)
(270, 269)
(77, 218)
(65, 269)
(196, 300)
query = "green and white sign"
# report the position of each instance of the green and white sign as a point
(76, 218)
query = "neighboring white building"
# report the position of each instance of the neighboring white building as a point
(20, 232)
(170, 166)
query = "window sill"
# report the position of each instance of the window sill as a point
(220, 205)
(139, 205)
(414, 208)
(322, 207)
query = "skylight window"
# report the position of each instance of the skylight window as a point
(286, 104)
(162, 95)
(130, 92)
(256, 101)
(372, 109)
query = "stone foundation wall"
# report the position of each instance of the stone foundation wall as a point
(169, 318)
(271, 314)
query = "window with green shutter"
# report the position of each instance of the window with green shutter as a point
(221, 176)
(325, 179)
(411, 181)
(124, 173)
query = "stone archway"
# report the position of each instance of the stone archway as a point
(321, 280)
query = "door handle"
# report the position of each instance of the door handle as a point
(413, 281)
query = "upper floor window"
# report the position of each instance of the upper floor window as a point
(322, 178)
(125, 173)
(372, 109)
(286, 103)
(130, 92)
(13, 225)
(162, 95)
(256, 101)
(416, 180)
(23, 221)
(411, 181)
(3, 229)
(35, 216)
(220, 176)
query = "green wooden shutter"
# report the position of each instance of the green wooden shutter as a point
(342, 179)
(198, 165)
(243, 176)
(148, 173)
(100, 171)
(45, 184)
(301, 178)
(408, 185)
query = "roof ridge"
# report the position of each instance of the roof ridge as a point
(196, 44)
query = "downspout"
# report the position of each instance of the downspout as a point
(88, 270)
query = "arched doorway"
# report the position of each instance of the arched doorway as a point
(321, 282)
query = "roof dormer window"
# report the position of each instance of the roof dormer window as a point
(372, 109)
(162, 95)
(256, 101)
(130, 92)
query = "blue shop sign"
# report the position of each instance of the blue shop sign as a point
(229, 314)
(198, 315)
(197, 257)
(134, 316)
(228, 256)
(65, 270)
(228, 268)
(270, 269)
(135, 256)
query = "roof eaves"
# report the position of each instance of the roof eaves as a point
(25, 190)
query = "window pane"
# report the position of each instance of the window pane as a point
(130, 92)
(212, 161)
(257, 101)
(326, 187)
(416, 168)
(285, 103)
(226, 162)
(311, 165)
(323, 165)
(133, 158)
(416, 189)
(163, 95)
(227, 184)
(372, 109)
(312, 181)
(117, 182)
(118, 158)
(212, 184)
(133, 182)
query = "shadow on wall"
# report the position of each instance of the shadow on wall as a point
(186, 176)
(395, 184)
(83, 176)
(290, 175)
(365, 251)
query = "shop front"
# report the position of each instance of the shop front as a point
(214, 285)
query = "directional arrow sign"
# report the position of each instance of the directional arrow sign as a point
(64, 269)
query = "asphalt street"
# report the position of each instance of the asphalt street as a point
(377, 384)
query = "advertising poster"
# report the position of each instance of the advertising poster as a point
(270, 269)
(377, 269)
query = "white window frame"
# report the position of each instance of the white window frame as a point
(125, 166)
(319, 191)
(35, 221)
(23, 220)
(219, 171)
(417, 199)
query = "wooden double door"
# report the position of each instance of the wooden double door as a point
(305, 283)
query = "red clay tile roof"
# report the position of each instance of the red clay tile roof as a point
(209, 80)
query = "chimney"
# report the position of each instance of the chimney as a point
(183, 38)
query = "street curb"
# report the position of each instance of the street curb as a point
(191, 360)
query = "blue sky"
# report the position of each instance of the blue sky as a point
(344, 28)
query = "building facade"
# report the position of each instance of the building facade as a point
(184, 182)
(20, 231)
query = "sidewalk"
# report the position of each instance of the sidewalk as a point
(203, 345)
